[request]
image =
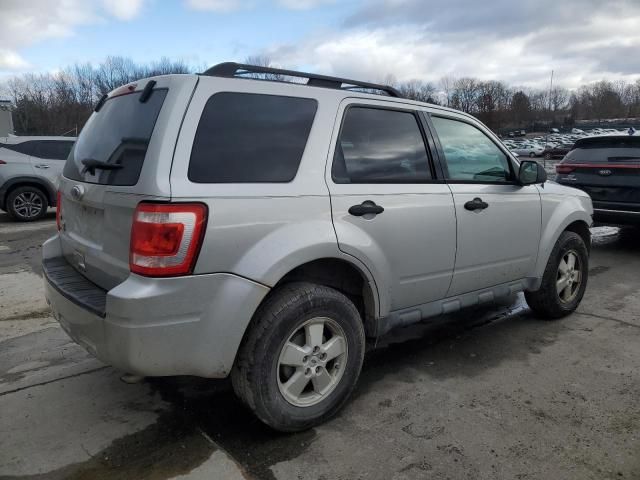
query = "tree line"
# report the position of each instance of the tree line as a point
(61, 102)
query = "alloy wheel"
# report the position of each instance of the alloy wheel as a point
(312, 361)
(569, 276)
(28, 205)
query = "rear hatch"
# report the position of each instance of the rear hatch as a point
(607, 168)
(122, 156)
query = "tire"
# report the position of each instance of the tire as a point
(548, 156)
(548, 301)
(532, 154)
(264, 377)
(26, 204)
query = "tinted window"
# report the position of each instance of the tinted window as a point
(118, 133)
(605, 149)
(469, 154)
(26, 148)
(380, 146)
(53, 149)
(248, 138)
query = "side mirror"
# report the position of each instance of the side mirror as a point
(531, 172)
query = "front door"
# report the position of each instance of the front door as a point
(388, 209)
(498, 220)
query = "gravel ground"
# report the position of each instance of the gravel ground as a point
(487, 394)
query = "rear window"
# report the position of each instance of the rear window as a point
(605, 149)
(119, 134)
(250, 138)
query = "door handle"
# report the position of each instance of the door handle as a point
(366, 207)
(476, 204)
(42, 165)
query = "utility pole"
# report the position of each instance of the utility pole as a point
(546, 138)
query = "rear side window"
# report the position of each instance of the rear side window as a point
(380, 146)
(117, 134)
(53, 149)
(250, 138)
(26, 148)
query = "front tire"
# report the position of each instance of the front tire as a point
(564, 280)
(301, 358)
(26, 204)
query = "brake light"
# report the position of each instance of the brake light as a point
(58, 210)
(563, 168)
(2, 162)
(166, 238)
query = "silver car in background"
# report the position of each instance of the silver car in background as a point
(30, 169)
(217, 225)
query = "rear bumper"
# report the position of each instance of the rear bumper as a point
(155, 327)
(619, 213)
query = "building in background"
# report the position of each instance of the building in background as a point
(6, 121)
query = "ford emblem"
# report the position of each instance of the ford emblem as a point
(77, 192)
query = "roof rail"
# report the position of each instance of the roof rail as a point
(232, 69)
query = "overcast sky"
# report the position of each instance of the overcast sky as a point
(517, 41)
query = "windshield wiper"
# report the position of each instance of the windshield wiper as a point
(91, 164)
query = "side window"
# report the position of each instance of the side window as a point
(26, 148)
(249, 138)
(380, 146)
(470, 155)
(53, 149)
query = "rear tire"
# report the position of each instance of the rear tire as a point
(26, 204)
(301, 358)
(564, 280)
(532, 154)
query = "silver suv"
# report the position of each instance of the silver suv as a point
(220, 224)
(30, 168)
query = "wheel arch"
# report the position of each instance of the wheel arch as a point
(344, 276)
(25, 181)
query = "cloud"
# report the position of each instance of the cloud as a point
(520, 43)
(221, 6)
(26, 23)
(304, 4)
(123, 9)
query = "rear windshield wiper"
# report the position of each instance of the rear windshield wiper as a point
(91, 164)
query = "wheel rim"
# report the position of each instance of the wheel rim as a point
(569, 276)
(28, 204)
(312, 361)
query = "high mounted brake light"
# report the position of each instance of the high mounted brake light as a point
(166, 238)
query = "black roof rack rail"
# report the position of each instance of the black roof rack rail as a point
(232, 69)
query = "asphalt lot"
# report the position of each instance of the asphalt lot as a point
(489, 394)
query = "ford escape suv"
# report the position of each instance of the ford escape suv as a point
(221, 224)
(30, 169)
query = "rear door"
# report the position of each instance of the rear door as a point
(389, 210)
(608, 169)
(135, 138)
(48, 159)
(498, 220)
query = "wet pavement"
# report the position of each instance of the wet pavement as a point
(490, 393)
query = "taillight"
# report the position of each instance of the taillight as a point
(564, 168)
(166, 238)
(2, 162)
(58, 210)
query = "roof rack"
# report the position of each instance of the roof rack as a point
(232, 69)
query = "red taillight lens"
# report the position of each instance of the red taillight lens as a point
(58, 210)
(166, 238)
(564, 168)
(2, 162)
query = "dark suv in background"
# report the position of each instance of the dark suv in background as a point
(608, 169)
